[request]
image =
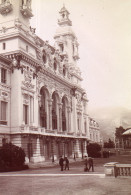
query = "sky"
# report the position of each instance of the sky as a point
(103, 29)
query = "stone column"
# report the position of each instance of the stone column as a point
(31, 110)
(74, 121)
(60, 117)
(69, 118)
(50, 114)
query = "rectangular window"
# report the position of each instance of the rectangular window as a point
(25, 114)
(85, 126)
(3, 113)
(78, 124)
(3, 75)
(4, 46)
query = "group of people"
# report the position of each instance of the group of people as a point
(88, 163)
(64, 163)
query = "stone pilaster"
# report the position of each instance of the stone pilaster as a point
(50, 114)
(60, 117)
(69, 118)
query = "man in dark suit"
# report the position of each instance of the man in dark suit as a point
(61, 163)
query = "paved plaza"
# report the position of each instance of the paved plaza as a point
(50, 180)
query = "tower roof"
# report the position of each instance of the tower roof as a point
(63, 9)
(64, 17)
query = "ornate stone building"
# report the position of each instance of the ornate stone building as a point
(43, 107)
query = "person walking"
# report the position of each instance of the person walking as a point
(88, 162)
(91, 164)
(61, 163)
(66, 163)
(85, 164)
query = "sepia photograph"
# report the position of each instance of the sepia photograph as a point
(65, 97)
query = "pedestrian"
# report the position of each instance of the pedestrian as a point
(61, 163)
(85, 164)
(66, 163)
(88, 164)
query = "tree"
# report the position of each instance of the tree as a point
(119, 135)
(109, 144)
(93, 150)
(11, 156)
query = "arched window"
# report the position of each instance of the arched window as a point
(63, 114)
(54, 111)
(43, 114)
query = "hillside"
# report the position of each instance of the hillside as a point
(110, 118)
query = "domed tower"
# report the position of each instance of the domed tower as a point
(66, 42)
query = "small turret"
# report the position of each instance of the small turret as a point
(64, 17)
(66, 40)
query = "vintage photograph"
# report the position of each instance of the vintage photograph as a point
(65, 97)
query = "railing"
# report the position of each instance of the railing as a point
(50, 131)
(122, 170)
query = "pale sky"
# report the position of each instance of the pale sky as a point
(103, 29)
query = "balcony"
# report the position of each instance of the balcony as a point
(5, 8)
(26, 11)
(28, 129)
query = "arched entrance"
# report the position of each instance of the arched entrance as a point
(54, 110)
(64, 114)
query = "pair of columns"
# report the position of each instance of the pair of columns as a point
(59, 117)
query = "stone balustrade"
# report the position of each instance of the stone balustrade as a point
(122, 170)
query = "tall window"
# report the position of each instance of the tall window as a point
(3, 75)
(3, 113)
(78, 123)
(25, 114)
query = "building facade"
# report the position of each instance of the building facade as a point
(43, 107)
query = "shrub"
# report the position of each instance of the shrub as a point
(11, 156)
(94, 150)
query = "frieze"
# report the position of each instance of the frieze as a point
(52, 84)
(28, 75)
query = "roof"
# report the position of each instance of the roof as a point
(63, 9)
(128, 132)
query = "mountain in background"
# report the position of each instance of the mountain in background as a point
(109, 118)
